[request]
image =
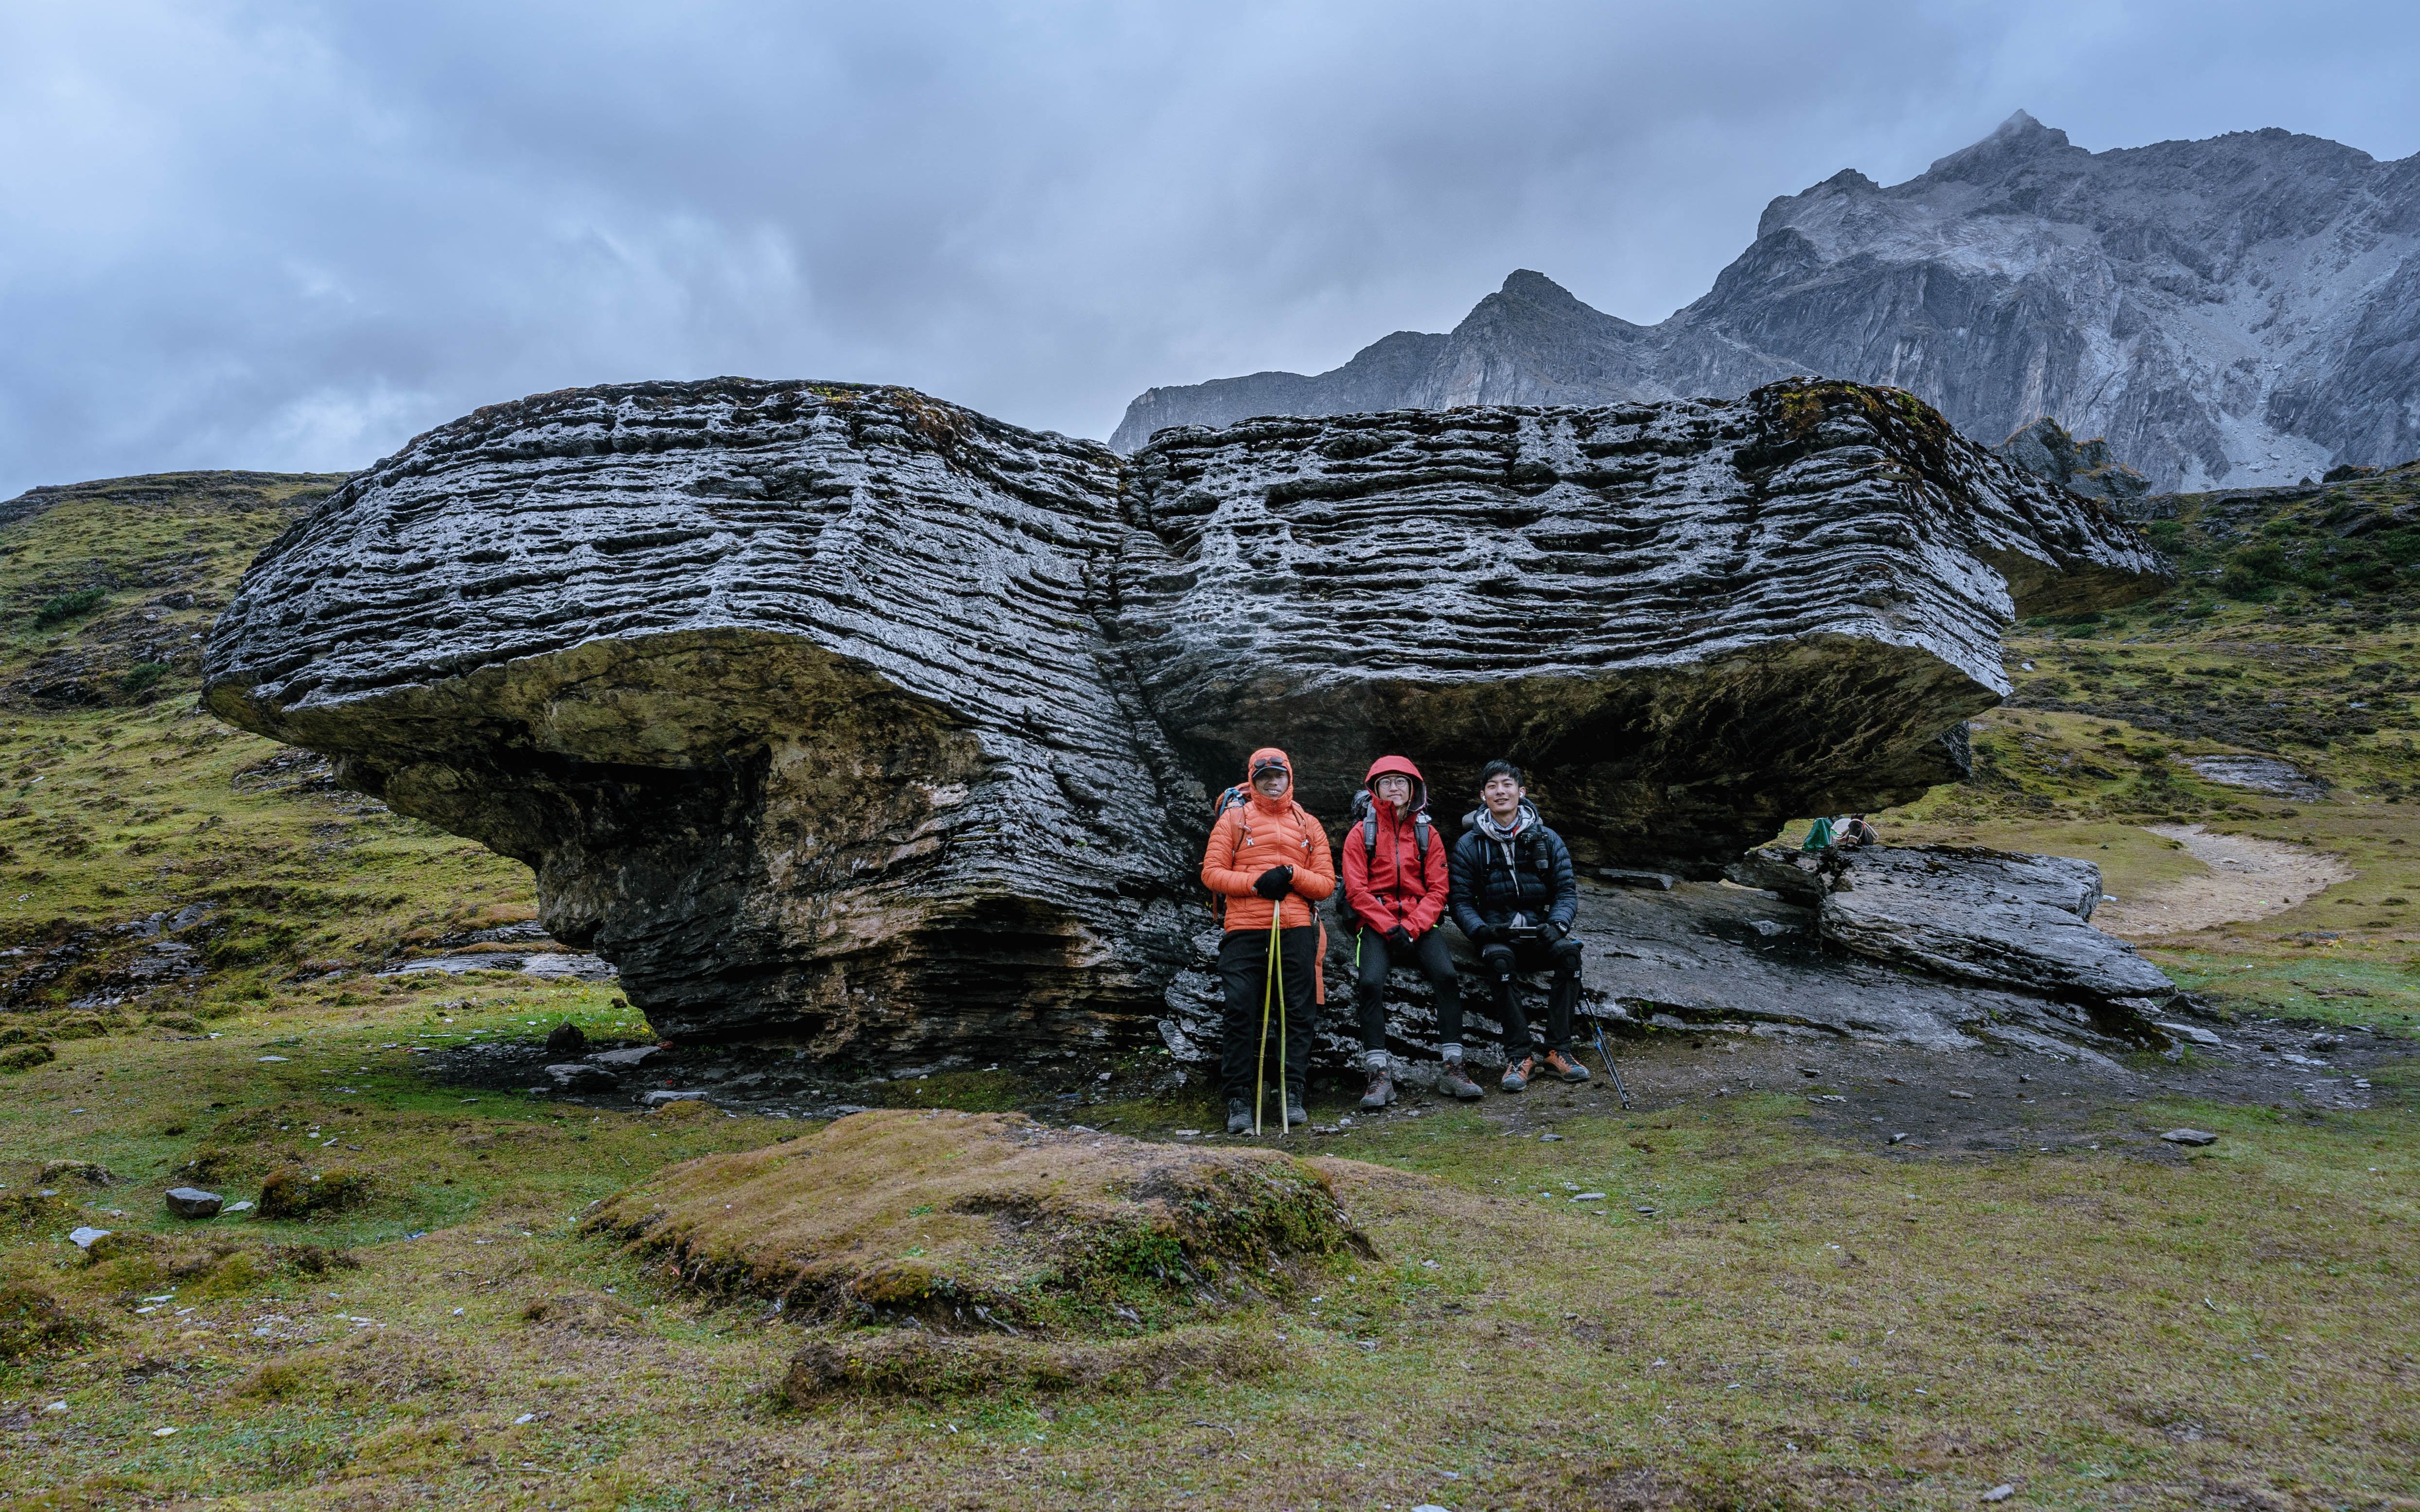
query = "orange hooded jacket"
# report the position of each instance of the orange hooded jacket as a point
(1260, 833)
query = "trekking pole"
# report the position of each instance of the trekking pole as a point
(1606, 1055)
(1285, 1113)
(1261, 1065)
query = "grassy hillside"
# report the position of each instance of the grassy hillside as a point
(1766, 1306)
(154, 862)
(2293, 637)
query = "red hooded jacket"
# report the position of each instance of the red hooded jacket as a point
(1395, 884)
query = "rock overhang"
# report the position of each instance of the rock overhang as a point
(1689, 620)
(839, 713)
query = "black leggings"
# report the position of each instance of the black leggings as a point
(1243, 977)
(1430, 955)
(1499, 962)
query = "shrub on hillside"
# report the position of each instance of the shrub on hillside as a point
(66, 607)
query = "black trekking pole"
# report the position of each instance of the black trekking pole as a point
(1606, 1055)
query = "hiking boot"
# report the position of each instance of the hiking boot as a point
(1381, 1092)
(1295, 1113)
(1239, 1116)
(1565, 1067)
(1516, 1073)
(1454, 1083)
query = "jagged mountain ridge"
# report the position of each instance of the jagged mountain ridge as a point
(2236, 311)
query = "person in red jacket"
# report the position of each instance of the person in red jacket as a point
(1267, 858)
(1395, 886)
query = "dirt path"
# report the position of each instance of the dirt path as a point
(2247, 879)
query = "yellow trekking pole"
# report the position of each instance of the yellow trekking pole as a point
(1261, 1066)
(1285, 1113)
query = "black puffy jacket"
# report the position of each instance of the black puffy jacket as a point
(1530, 875)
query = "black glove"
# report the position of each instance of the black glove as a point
(1487, 935)
(1399, 937)
(1275, 883)
(1553, 932)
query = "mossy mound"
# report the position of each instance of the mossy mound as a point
(982, 1222)
(914, 1362)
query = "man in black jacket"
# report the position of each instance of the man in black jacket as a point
(1512, 895)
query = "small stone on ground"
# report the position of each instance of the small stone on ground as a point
(193, 1202)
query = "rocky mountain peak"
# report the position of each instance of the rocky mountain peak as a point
(2239, 311)
(2013, 143)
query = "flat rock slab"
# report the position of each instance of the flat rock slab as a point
(1706, 952)
(582, 1077)
(2259, 774)
(1989, 917)
(1995, 918)
(552, 965)
(2190, 1136)
(629, 1056)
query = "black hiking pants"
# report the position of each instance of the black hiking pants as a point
(1500, 961)
(1375, 958)
(1244, 979)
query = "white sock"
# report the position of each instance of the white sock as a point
(1374, 1059)
(1453, 1054)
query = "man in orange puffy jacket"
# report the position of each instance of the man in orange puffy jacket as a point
(1396, 882)
(1268, 859)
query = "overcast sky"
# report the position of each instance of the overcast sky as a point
(289, 237)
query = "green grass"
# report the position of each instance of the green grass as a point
(2099, 1328)
(2093, 1326)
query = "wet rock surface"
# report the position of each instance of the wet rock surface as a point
(1688, 621)
(791, 694)
(1995, 918)
(1991, 917)
(841, 717)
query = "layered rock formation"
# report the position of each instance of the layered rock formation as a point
(2015, 924)
(792, 695)
(1688, 621)
(2238, 311)
(839, 713)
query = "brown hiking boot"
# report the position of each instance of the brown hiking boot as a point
(1516, 1073)
(1381, 1092)
(1454, 1083)
(1565, 1067)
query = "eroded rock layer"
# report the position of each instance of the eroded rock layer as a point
(792, 694)
(838, 713)
(1690, 621)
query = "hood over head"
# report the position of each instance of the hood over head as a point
(1402, 765)
(1266, 757)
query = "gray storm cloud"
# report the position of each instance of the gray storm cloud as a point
(290, 236)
